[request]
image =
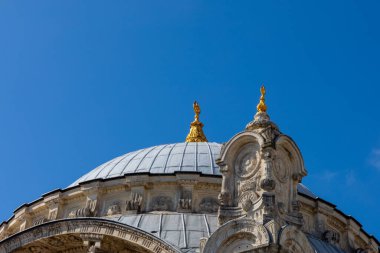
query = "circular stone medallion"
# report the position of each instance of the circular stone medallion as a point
(247, 160)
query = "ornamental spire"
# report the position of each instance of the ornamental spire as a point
(196, 132)
(262, 107)
(261, 118)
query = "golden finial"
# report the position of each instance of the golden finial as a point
(196, 132)
(261, 107)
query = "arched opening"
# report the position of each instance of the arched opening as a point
(85, 235)
(74, 243)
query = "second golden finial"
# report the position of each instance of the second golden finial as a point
(262, 107)
(196, 132)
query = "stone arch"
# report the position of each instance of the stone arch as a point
(288, 171)
(240, 234)
(243, 146)
(232, 146)
(89, 227)
(286, 143)
(293, 240)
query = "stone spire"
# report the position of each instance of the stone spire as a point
(196, 127)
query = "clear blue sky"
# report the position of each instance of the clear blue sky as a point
(84, 81)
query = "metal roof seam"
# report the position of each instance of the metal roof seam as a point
(183, 156)
(100, 168)
(207, 225)
(158, 153)
(211, 158)
(167, 159)
(184, 231)
(116, 165)
(137, 153)
(142, 159)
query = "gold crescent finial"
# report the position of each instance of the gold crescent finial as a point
(196, 127)
(262, 107)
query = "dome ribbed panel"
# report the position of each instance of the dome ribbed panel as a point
(179, 229)
(170, 158)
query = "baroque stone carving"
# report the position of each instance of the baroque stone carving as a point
(224, 198)
(162, 203)
(185, 202)
(247, 193)
(76, 227)
(38, 249)
(247, 160)
(114, 209)
(55, 242)
(39, 220)
(135, 203)
(209, 205)
(92, 242)
(282, 165)
(237, 234)
(87, 211)
(53, 214)
(293, 240)
(331, 236)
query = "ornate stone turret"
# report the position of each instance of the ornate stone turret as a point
(261, 168)
(196, 127)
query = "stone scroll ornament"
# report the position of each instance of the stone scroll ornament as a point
(261, 168)
(87, 211)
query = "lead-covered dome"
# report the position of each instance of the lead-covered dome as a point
(162, 159)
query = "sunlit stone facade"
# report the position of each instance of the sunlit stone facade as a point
(241, 196)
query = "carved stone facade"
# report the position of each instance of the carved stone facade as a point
(256, 204)
(85, 235)
(261, 170)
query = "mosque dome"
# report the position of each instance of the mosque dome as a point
(162, 159)
(195, 196)
(166, 159)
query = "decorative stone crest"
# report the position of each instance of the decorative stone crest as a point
(261, 168)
